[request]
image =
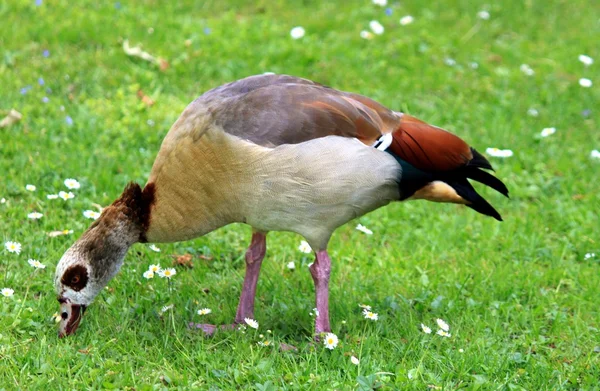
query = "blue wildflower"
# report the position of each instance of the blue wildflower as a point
(389, 11)
(46, 53)
(69, 120)
(45, 99)
(41, 81)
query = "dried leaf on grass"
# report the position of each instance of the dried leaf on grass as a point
(183, 260)
(137, 51)
(12, 118)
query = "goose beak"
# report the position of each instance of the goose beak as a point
(71, 315)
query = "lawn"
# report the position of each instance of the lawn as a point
(521, 297)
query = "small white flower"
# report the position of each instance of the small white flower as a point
(35, 215)
(36, 264)
(595, 154)
(406, 20)
(251, 323)
(495, 152)
(370, 315)
(547, 132)
(526, 69)
(7, 292)
(532, 112)
(364, 229)
(154, 268)
(314, 312)
(585, 82)
(66, 196)
(166, 308)
(52, 196)
(450, 62)
(461, 350)
(148, 274)
(3, 200)
(590, 255)
(291, 265)
(167, 273)
(484, 15)
(30, 187)
(366, 34)
(365, 307)
(354, 360)
(297, 32)
(204, 311)
(473, 65)
(425, 329)
(91, 214)
(13, 247)
(586, 60)
(376, 27)
(154, 248)
(442, 325)
(443, 333)
(330, 341)
(304, 247)
(72, 184)
(381, 3)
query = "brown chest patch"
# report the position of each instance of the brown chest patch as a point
(75, 277)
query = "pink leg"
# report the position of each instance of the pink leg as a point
(254, 257)
(320, 271)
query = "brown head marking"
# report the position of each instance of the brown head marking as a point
(75, 277)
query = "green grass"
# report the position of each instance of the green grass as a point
(520, 296)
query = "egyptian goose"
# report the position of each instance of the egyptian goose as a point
(278, 153)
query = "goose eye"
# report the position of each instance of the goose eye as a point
(75, 279)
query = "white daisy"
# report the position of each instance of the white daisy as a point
(406, 20)
(370, 315)
(13, 247)
(484, 15)
(586, 60)
(251, 322)
(450, 62)
(443, 333)
(364, 229)
(91, 214)
(291, 265)
(166, 308)
(366, 34)
(532, 112)
(495, 152)
(354, 360)
(330, 341)
(586, 83)
(66, 196)
(595, 154)
(265, 343)
(154, 248)
(72, 184)
(547, 132)
(590, 255)
(35, 215)
(526, 69)
(365, 307)
(167, 273)
(314, 312)
(204, 311)
(30, 187)
(425, 329)
(305, 247)
(461, 350)
(7, 292)
(381, 3)
(36, 264)
(52, 196)
(148, 274)
(154, 268)
(442, 325)
(297, 32)
(376, 27)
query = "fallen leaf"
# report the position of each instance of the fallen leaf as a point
(205, 257)
(12, 118)
(183, 260)
(137, 51)
(53, 234)
(145, 98)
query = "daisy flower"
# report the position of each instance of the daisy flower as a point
(406, 20)
(91, 214)
(443, 333)
(330, 341)
(595, 154)
(13, 247)
(204, 311)
(297, 32)
(166, 308)
(381, 3)
(305, 247)
(354, 360)
(154, 268)
(52, 196)
(35, 215)
(376, 27)
(586, 83)
(7, 292)
(370, 315)
(450, 62)
(532, 112)
(167, 273)
(547, 132)
(589, 255)
(483, 15)
(30, 187)
(364, 229)
(314, 312)
(72, 184)
(265, 343)
(366, 34)
(148, 274)
(291, 265)
(154, 248)
(461, 350)
(442, 325)
(66, 196)
(365, 307)
(425, 329)
(251, 322)
(36, 264)
(495, 152)
(526, 69)
(586, 60)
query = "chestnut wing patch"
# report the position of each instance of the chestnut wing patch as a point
(75, 277)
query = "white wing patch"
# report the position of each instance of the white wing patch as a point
(383, 142)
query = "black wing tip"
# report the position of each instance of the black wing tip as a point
(479, 160)
(476, 202)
